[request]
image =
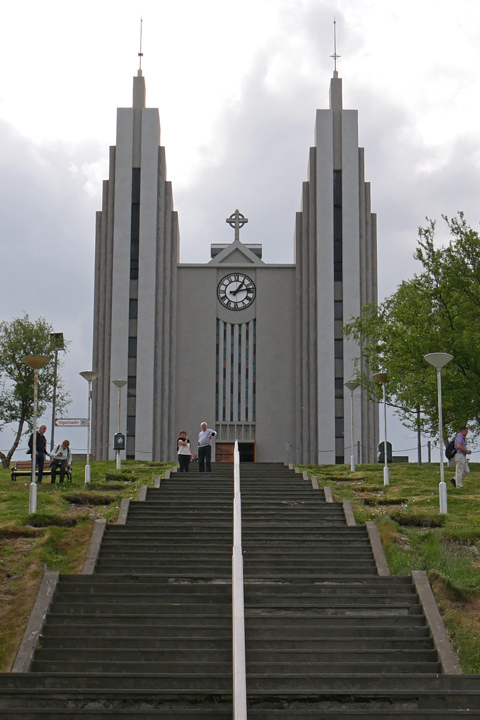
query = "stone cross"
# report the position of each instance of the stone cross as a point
(237, 221)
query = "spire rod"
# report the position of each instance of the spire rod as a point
(140, 54)
(335, 56)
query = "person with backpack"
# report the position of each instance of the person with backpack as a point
(460, 458)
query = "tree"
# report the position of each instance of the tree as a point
(436, 311)
(19, 338)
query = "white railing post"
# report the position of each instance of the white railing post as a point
(238, 611)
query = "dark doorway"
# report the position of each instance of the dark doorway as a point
(247, 452)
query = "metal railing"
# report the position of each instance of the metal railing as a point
(238, 610)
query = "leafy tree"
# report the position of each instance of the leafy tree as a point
(437, 310)
(19, 338)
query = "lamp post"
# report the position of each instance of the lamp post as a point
(439, 360)
(352, 385)
(90, 376)
(36, 362)
(119, 384)
(58, 343)
(382, 377)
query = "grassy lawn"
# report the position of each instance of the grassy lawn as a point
(57, 536)
(416, 537)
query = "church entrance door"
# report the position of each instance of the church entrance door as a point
(224, 452)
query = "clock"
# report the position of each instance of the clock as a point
(236, 291)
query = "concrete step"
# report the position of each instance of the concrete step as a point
(103, 632)
(119, 607)
(133, 620)
(295, 658)
(121, 642)
(140, 714)
(321, 668)
(179, 684)
(201, 668)
(188, 657)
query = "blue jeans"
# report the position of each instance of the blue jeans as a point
(40, 463)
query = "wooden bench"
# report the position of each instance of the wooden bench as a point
(23, 468)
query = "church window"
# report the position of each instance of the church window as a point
(132, 347)
(133, 309)
(337, 226)
(339, 427)
(135, 224)
(131, 425)
(339, 387)
(131, 386)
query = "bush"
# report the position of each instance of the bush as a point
(416, 520)
(41, 520)
(121, 477)
(89, 498)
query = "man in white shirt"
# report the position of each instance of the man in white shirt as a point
(60, 457)
(205, 447)
(460, 458)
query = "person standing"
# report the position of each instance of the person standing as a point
(205, 447)
(61, 458)
(184, 451)
(41, 450)
(460, 458)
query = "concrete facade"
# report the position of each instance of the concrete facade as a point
(219, 341)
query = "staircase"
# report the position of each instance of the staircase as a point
(326, 637)
(148, 635)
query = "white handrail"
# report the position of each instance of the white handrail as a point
(238, 611)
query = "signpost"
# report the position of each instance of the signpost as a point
(71, 422)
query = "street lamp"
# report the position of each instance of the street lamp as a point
(352, 385)
(90, 376)
(439, 360)
(58, 343)
(119, 384)
(382, 377)
(36, 362)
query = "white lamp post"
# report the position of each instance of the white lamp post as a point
(90, 376)
(119, 384)
(36, 362)
(58, 342)
(439, 360)
(382, 377)
(352, 385)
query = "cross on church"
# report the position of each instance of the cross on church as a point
(237, 221)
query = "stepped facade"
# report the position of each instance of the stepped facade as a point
(255, 348)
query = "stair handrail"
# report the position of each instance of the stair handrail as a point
(238, 609)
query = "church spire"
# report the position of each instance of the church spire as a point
(336, 102)
(335, 56)
(139, 81)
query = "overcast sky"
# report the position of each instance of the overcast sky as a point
(237, 85)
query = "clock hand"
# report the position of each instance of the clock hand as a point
(240, 287)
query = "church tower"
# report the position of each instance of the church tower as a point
(255, 349)
(136, 258)
(336, 260)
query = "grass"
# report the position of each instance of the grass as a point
(56, 536)
(416, 536)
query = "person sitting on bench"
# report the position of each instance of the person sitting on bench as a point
(60, 457)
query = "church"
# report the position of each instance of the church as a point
(255, 349)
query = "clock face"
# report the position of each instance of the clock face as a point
(236, 291)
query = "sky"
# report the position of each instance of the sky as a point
(237, 85)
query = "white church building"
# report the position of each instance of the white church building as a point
(255, 349)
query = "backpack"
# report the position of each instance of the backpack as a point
(450, 450)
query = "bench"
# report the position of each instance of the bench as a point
(23, 468)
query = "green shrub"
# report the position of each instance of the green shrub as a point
(43, 519)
